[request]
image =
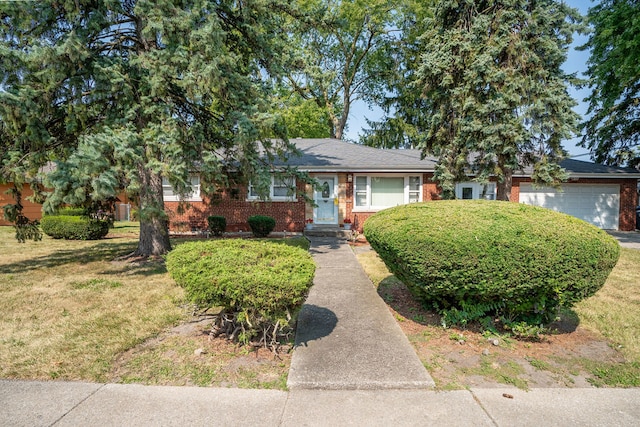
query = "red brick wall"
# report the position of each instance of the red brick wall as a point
(628, 197)
(30, 210)
(628, 203)
(236, 209)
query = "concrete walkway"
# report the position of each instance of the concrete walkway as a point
(346, 338)
(627, 239)
(353, 366)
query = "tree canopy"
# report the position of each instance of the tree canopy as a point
(403, 104)
(123, 95)
(495, 93)
(612, 131)
(343, 54)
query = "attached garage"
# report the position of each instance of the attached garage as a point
(596, 204)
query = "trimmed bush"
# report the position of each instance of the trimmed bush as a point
(71, 212)
(74, 227)
(260, 285)
(217, 224)
(474, 258)
(261, 225)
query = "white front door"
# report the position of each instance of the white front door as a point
(325, 198)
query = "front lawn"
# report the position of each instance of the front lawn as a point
(72, 311)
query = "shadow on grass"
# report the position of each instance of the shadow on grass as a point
(401, 300)
(103, 251)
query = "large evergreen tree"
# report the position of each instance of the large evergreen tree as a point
(123, 94)
(612, 132)
(496, 95)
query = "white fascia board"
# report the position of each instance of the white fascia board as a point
(365, 170)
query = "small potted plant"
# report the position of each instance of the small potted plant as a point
(347, 223)
(309, 224)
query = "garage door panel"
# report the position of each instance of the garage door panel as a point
(597, 204)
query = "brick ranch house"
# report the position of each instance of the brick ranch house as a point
(356, 181)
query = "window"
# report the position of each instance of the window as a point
(361, 192)
(281, 189)
(377, 192)
(170, 194)
(475, 190)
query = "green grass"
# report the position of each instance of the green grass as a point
(69, 312)
(69, 309)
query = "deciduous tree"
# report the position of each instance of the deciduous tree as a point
(343, 54)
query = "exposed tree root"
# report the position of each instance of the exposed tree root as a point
(258, 333)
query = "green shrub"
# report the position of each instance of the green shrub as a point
(477, 258)
(69, 211)
(217, 224)
(74, 227)
(261, 225)
(259, 284)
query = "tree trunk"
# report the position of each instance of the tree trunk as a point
(504, 185)
(154, 225)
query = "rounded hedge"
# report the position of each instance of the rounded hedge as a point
(520, 260)
(261, 225)
(74, 227)
(217, 224)
(262, 280)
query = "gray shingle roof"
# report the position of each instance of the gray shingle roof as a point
(339, 156)
(333, 155)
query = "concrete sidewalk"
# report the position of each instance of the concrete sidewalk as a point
(81, 404)
(346, 337)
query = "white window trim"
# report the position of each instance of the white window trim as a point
(407, 190)
(272, 197)
(476, 190)
(171, 196)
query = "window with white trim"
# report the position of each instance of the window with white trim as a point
(475, 190)
(376, 192)
(170, 194)
(281, 189)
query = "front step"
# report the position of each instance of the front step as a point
(328, 231)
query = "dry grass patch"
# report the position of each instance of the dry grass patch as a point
(615, 310)
(69, 309)
(187, 356)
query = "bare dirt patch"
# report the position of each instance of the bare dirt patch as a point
(187, 356)
(460, 358)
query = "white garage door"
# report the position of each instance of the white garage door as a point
(597, 204)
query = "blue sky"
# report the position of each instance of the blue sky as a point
(576, 62)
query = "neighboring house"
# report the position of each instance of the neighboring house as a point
(29, 209)
(33, 211)
(357, 181)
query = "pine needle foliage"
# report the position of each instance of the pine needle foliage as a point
(612, 132)
(136, 94)
(497, 98)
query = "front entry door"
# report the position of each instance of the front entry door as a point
(326, 210)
